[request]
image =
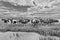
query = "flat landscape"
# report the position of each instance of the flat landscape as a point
(11, 14)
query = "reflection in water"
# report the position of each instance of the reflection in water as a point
(18, 7)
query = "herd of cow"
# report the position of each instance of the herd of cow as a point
(32, 21)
